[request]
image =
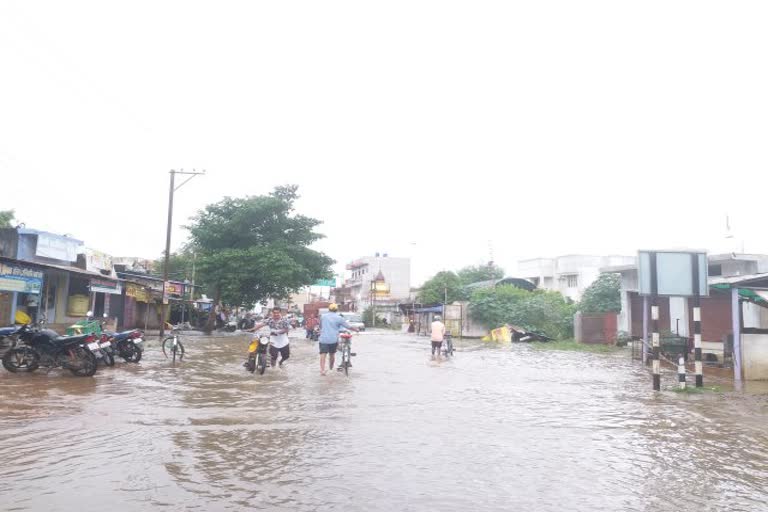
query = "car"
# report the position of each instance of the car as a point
(354, 320)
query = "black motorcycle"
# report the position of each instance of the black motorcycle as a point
(45, 348)
(127, 344)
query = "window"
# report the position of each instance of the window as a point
(715, 270)
(572, 281)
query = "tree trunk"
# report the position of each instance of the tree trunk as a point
(211, 323)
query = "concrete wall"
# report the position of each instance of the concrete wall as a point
(678, 316)
(738, 268)
(755, 356)
(625, 316)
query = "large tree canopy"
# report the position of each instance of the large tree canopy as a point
(253, 248)
(602, 296)
(540, 311)
(434, 290)
(475, 274)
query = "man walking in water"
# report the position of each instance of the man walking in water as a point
(438, 335)
(279, 344)
(331, 324)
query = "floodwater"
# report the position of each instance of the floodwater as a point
(496, 428)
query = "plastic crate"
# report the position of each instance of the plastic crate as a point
(84, 327)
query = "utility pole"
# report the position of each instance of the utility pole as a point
(174, 188)
(373, 304)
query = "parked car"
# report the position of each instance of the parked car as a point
(354, 320)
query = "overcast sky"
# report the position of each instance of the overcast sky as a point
(436, 130)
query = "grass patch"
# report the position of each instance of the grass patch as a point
(572, 346)
(691, 389)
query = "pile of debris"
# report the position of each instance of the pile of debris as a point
(509, 333)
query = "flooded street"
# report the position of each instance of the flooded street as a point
(496, 428)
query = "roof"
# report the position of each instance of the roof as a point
(431, 309)
(736, 256)
(128, 276)
(74, 270)
(711, 258)
(28, 231)
(617, 269)
(738, 281)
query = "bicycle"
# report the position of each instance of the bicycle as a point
(346, 352)
(173, 344)
(448, 340)
(257, 354)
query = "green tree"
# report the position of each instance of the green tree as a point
(179, 266)
(6, 218)
(602, 296)
(434, 290)
(540, 311)
(477, 273)
(253, 248)
(368, 319)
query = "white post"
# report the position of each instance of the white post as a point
(736, 317)
(645, 330)
(681, 372)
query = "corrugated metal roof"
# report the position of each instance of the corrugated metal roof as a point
(739, 280)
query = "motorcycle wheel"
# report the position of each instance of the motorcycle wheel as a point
(131, 353)
(21, 359)
(261, 365)
(109, 359)
(82, 362)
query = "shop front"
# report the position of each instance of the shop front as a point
(21, 287)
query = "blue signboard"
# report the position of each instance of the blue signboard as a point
(14, 278)
(325, 282)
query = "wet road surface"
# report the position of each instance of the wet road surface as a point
(496, 428)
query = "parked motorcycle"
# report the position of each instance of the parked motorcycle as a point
(45, 348)
(102, 347)
(127, 344)
(7, 335)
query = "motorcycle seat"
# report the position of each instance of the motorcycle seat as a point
(71, 340)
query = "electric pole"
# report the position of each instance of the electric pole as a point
(173, 189)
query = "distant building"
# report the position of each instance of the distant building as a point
(570, 275)
(394, 281)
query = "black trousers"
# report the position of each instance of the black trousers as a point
(284, 353)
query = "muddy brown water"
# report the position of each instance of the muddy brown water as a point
(496, 428)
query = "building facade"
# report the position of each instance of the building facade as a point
(570, 275)
(362, 275)
(676, 313)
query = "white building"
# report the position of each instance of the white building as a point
(361, 272)
(570, 275)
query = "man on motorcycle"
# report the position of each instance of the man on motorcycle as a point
(278, 336)
(331, 324)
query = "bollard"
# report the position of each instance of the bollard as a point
(656, 340)
(697, 321)
(697, 346)
(681, 372)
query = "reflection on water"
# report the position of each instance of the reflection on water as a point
(497, 428)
